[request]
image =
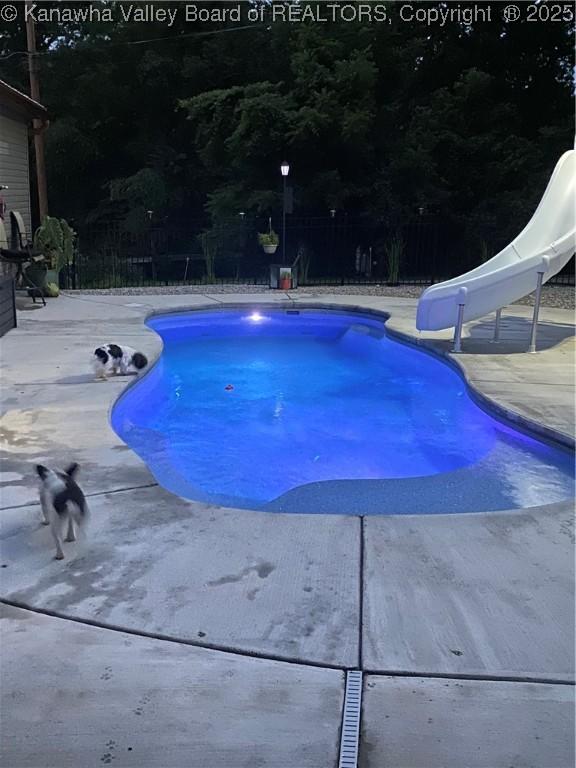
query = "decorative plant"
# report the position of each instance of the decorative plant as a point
(209, 242)
(268, 238)
(394, 250)
(303, 260)
(55, 239)
(285, 278)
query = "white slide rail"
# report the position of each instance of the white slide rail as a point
(543, 248)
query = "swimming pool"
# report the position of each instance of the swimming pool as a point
(320, 411)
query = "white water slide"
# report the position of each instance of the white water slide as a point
(541, 249)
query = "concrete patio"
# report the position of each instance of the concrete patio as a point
(182, 633)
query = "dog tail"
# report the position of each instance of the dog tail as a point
(84, 518)
(80, 512)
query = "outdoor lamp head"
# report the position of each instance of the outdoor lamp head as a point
(285, 168)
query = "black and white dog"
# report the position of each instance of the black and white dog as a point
(62, 502)
(112, 359)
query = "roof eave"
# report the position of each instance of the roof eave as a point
(23, 104)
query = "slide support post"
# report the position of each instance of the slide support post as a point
(461, 299)
(533, 332)
(496, 337)
(458, 330)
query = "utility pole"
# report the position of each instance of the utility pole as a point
(38, 125)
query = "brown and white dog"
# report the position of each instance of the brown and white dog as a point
(62, 502)
(116, 360)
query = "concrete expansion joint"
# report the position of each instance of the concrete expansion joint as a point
(276, 657)
(88, 496)
(175, 640)
(122, 490)
(212, 298)
(481, 678)
(361, 568)
(73, 297)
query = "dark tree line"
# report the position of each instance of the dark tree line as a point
(379, 120)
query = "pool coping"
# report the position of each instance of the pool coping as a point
(509, 417)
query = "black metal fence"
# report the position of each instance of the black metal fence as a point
(335, 250)
(565, 276)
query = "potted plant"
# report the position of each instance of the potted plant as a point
(54, 238)
(285, 280)
(269, 241)
(36, 273)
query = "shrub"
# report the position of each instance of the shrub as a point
(394, 250)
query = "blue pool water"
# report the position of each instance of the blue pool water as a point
(320, 411)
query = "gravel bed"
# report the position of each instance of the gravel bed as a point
(558, 296)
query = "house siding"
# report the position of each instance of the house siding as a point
(14, 167)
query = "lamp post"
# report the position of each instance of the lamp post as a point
(284, 170)
(332, 233)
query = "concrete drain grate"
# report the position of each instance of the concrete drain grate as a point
(351, 721)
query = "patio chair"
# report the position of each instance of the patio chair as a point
(21, 256)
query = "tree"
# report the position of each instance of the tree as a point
(380, 119)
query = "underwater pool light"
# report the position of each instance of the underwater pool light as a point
(256, 317)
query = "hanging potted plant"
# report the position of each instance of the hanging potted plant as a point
(268, 241)
(285, 281)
